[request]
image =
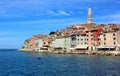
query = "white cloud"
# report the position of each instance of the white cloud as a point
(56, 13)
(47, 21)
(64, 13)
(113, 18)
(29, 7)
(51, 13)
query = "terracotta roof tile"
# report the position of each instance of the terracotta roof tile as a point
(81, 33)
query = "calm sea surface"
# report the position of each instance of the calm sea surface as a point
(14, 63)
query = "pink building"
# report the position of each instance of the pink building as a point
(32, 42)
(110, 40)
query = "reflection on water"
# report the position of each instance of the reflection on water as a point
(14, 63)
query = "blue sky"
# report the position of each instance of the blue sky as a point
(20, 19)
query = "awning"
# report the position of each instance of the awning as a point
(58, 47)
(71, 48)
(105, 47)
(81, 47)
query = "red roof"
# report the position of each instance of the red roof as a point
(81, 33)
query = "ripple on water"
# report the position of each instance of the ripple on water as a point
(14, 63)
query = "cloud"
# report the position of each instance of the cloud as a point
(25, 28)
(45, 21)
(30, 7)
(14, 33)
(64, 13)
(55, 13)
(38, 8)
(112, 18)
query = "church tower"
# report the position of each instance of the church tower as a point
(89, 16)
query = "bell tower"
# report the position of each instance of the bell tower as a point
(89, 16)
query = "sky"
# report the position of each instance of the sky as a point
(20, 19)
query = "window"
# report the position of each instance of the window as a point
(99, 43)
(104, 35)
(78, 39)
(87, 39)
(104, 43)
(114, 38)
(91, 38)
(114, 43)
(91, 35)
(81, 39)
(104, 38)
(99, 39)
(77, 35)
(113, 34)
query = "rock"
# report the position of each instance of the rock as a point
(39, 57)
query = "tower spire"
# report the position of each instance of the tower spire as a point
(89, 16)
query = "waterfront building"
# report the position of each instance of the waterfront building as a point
(45, 41)
(58, 44)
(62, 43)
(73, 40)
(88, 36)
(26, 45)
(67, 42)
(110, 40)
(92, 37)
(39, 44)
(81, 41)
(32, 42)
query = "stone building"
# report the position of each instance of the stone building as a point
(109, 40)
(81, 41)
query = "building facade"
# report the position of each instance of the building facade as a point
(81, 41)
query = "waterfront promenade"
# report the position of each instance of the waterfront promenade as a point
(100, 53)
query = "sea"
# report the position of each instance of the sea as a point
(13, 63)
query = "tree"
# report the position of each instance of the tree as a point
(52, 32)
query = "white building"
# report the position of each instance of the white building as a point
(39, 44)
(62, 43)
(81, 41)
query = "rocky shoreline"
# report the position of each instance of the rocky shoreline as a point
(100, 53)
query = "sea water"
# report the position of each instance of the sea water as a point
(13, 63)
